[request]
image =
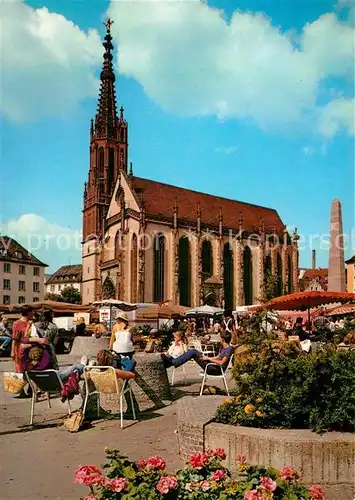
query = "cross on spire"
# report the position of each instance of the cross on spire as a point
(108, 25)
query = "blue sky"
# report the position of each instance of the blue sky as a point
(271, 126)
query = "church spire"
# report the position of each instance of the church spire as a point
(106, 116)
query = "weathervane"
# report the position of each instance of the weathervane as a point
(108, 24)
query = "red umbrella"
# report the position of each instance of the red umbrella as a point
(307, 300)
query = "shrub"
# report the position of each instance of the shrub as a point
(203, 478)
(281, 387)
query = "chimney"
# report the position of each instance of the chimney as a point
(313, 259)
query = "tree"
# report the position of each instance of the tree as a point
(270, 287)
(71, 295)
(52, 296)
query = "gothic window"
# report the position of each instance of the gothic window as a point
(110, 170)
(207, 259)
(184, 272)
(279, 284)
(122, 135)
(101, 162)
(159, 267)
(118, 244)
(228, 283)
(248, 276)
(108, 289)
(289, 274)
(134, 269)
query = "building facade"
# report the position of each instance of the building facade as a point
(314, 279)
(65, 276)
(145, 241)
(21, 274)
(350, 275)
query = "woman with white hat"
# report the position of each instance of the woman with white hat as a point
(121, 337)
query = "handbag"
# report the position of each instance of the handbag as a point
(74, 421)
(14, 383)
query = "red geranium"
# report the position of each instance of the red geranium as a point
(198, 460)
(88, 475)
(316, 492)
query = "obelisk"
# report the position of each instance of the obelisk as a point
(336, 268)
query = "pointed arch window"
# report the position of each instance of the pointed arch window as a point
(101, 161)
(279, 284)
(134, 269)
(159, 268)
(184, 272)
(207, 259)
(289, 275)
(228, 274)
(248, 276)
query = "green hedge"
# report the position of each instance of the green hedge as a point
(279, 387)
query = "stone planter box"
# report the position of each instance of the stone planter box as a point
(327, 459)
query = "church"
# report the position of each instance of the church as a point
(145, 241)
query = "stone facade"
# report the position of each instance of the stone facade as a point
(336, 268)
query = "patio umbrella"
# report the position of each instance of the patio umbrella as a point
(307, 300)
(344, 309)
(52, 305)
(205, 310)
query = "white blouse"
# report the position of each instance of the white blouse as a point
(123, 342)
(176, 350)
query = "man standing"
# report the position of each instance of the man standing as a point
(48, 330)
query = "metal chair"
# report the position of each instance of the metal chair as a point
(221, 376)
(173, 374)
(47, 381)
(105, 381)
(205, 349)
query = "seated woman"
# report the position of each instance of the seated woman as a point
(222, 359)
(37, 358)
(179, 344)
(121, 343)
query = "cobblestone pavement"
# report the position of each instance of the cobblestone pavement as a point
(38, 463)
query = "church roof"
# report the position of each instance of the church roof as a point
(160, 199)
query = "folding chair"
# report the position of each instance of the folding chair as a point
(205, 349)
(46, 381)
(173, 374)
(105, 381)
(221, 376)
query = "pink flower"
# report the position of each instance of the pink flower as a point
(91, 498)
(241, 459)
(141, 464)
(316, 492)
(289, 474)
(268, 484)
(167, 483)
(205, 485)
(88, 475)
(219, 452)
(198, 460)
(118, 484)
(218, 475)
(155, 463)
(253, 495)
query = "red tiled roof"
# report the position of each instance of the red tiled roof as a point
(320, 273)
(159, 200)
(12, 251)
(66, 273)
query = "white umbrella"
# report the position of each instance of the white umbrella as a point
(205, 310)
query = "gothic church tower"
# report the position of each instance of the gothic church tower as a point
(108, 156)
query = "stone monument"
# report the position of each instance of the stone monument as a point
(336, 268)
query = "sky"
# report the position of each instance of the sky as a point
(251, 100)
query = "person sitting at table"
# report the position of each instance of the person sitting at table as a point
(299, 330)
(222, 359)
(121, 337)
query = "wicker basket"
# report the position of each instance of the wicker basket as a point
(14, 383)
(74, 421)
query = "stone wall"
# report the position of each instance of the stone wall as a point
(327, 459)
(193, 415)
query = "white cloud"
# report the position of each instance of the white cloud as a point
(338, 115)
(48, 63)
(192, 61)
(55, 245)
